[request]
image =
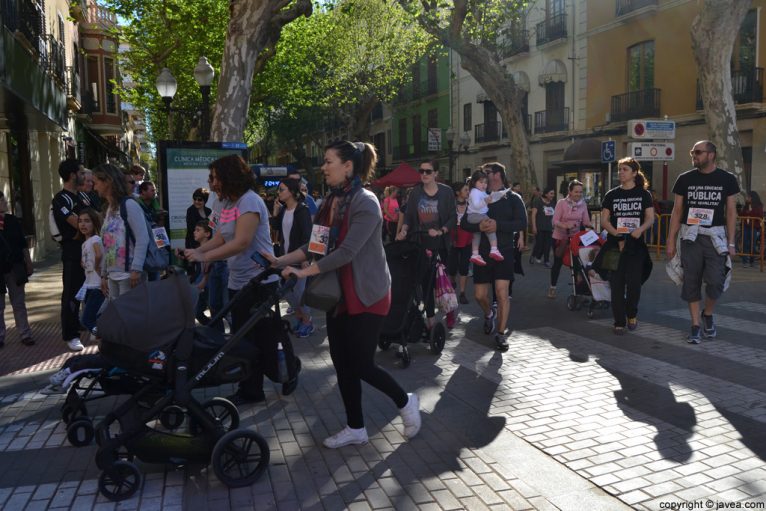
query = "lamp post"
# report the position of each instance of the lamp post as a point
(167, 86)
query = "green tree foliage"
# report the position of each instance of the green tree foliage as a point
(172, 34)
(335, 66)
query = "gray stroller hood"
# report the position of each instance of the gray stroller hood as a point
(151, 315)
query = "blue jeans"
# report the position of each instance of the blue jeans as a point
(94, 298)
(218, 290)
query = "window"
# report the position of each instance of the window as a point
(92, 93)
(432, 72)
(111, 103)
(554, 8)
(433, 118)
(416, 81)
(467, 120)
(402, 139)
(556, 116)
(641, 66)
(416, 135)
(744, 53)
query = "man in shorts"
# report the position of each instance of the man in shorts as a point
(705, 213)
(507, 216)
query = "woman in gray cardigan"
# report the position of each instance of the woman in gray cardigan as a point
(354, 250)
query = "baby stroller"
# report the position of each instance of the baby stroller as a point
(150, 335)
(588, 288)
(405, 322)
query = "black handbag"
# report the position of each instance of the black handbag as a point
(322, 291)
(611, 259)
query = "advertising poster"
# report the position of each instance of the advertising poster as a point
(184, 168)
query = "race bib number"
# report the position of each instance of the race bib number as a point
(700, 216)
(320, 237)
(626, 225)
(548, 210)
(161, 237)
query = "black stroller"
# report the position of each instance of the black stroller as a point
(405, 323)
(149, 334)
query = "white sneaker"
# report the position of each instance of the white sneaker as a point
(58, 378)
(411, 416)
(346, 436)
(75, 344)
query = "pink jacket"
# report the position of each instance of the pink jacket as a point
(569, 212)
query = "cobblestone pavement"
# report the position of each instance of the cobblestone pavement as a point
(571, 417)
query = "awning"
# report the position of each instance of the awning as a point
(582, 153)
(111, 149)
(522, 80)
(554, 71)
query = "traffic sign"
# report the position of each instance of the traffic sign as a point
(608, 151)
(643, 129)
(652, 151)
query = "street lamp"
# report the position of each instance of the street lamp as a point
(167, 86)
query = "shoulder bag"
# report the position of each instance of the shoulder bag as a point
(322, 291)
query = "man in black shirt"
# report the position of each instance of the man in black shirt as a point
(67, 205)
(705, 203)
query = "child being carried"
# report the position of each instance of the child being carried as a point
(478, 206)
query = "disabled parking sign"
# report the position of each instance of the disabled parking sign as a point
(608, 151)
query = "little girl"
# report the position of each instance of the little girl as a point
(89, 225)
(478, 205)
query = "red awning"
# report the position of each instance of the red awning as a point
(402, 177)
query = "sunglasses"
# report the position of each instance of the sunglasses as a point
(426, 171)
(697, 152)
(201, 199)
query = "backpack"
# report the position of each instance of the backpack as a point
(53, 227)
(157, 259)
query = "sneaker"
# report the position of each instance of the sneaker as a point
(477, 259)
(411, 416)
(289, 310)
(28, 341)
(496, 255)
(346, 436)
(489, 323)
(305, 330)
(289, 386)
(463, 299)
(239, 398)
(501, 343)
(694, 336)
(58, 378)
(632, 324)
(708, 326)
(451, 319)
(547, 264)
(75, 344)
(551, 292)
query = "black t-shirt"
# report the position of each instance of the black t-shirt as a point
(65, 204)
(705, 196)
(544, 217)
(627, 208)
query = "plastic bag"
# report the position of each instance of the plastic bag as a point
(444, 293)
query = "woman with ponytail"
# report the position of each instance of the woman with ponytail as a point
(355, 251)
(627, 212)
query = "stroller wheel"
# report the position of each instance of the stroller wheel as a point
(383, 344)
(572, 302)
(80, 432)
(438, 335)
(120, 480)
(172, 417)
(240, 457)
(223, 411)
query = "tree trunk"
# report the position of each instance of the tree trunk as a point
(713, 34)
(502, 90)
(254, 29)
(359, 120)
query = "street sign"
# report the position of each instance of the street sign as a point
(652, 151)
(608, 151)
(434, 139)
(643, 129)
(269, 171)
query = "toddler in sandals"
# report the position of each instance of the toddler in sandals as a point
(478, 205)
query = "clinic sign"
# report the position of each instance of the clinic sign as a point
(644, 129)
(652, 151)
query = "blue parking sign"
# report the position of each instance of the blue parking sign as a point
(608, 151)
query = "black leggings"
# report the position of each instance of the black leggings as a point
(558, 262)
(626, 286)
(353, 341)
(543, 243)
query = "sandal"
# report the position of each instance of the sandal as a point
(618, 330)
(632, 323)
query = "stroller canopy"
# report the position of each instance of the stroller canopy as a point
(150, 315)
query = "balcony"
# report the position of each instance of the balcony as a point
(26, 21)
(746, 87)
(635, 105)
(547, 121)
(73, 95)
(97, 15)
(625, 7)
(489, 132)
(553, 28)
(514, 43)
(57, 60)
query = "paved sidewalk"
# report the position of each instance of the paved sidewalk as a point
(570, 418)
